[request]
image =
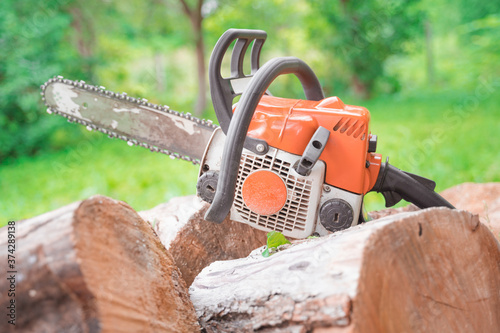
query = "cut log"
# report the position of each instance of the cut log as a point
(435, 270)
(481, 199)
(194, 242)
(94, 266)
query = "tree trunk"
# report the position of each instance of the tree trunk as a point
(360, 87)
(429, 52)
(85, 38)
(434, 270)
(196, 20)
(160, 72)
(94, 266)
(201, 99)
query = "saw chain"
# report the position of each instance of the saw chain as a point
(124, 97)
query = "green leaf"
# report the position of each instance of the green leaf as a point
(275, 239)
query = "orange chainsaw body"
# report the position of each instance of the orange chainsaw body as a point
(289, 124)
(289, 165)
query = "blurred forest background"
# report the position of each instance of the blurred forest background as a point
(428, 71)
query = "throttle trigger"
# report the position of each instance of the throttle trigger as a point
(391, 198)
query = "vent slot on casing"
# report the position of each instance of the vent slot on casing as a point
(350, 127)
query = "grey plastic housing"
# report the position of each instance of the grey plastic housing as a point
(313, 151)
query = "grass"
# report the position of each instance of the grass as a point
(143, 179)
(448, 138)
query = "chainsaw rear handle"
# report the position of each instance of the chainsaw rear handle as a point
(238, 127)
(395, 184)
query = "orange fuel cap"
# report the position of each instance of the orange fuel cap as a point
(264, 192)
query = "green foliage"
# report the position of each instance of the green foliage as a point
(34, 43)
(463, 47)
(472, 10)
(365, 34)
(481, 36)
(112, 43)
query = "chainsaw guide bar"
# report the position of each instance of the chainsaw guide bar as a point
(137, 121)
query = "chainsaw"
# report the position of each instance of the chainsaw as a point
(300, 167)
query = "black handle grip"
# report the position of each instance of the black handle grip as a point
(242, 117)
(224, 90)
(395, 185)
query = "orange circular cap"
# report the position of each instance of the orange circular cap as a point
(264, 192)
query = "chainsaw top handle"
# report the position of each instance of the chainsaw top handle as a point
(224, 90)
(238, 126)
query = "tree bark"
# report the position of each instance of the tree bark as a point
(94, 266)
(434, 270)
